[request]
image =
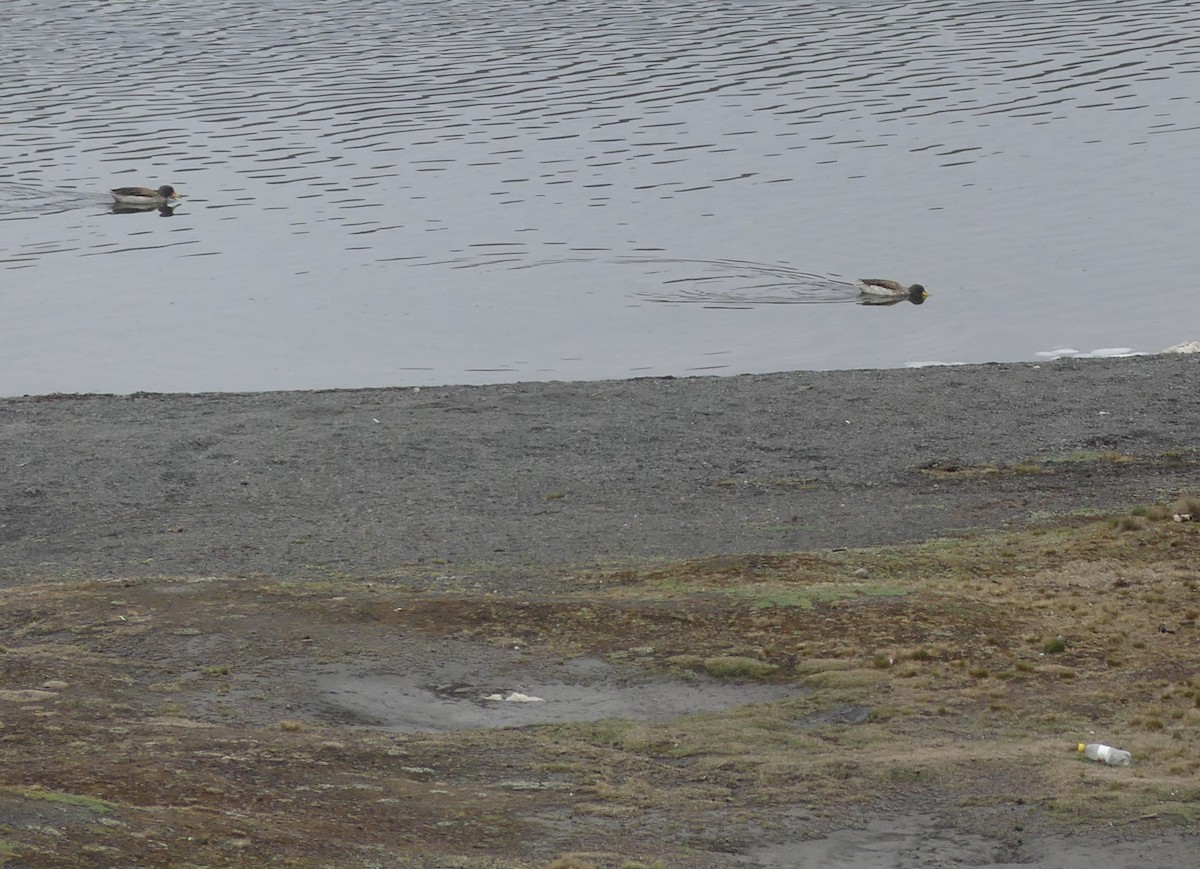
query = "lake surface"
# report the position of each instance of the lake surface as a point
(390, 193)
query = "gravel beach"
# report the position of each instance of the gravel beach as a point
(568, 473)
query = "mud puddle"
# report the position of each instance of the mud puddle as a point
(474, 686)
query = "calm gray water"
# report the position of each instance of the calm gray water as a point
(387, 193)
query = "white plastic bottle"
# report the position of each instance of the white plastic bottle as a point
(1104, 754)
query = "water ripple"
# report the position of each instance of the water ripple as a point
(362, 137)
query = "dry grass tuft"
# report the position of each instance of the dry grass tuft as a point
(1131, 523)
(1055, 646)
(738, 667)
(1158, 512)
(1187, 505)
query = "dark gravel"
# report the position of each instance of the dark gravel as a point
(543, 474)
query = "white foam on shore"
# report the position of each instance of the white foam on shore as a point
(1098, 353)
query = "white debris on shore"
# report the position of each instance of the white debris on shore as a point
(1112, 352)
(514, 697)
(1186, 347)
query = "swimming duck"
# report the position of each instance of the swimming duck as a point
(144, 195)
(892, 290)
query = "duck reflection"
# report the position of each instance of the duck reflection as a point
(163, 210)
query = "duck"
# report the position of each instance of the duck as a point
(144, 195)
(892, 290)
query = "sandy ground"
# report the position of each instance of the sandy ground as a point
(507, 493)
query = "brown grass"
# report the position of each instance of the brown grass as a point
(950, 650)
